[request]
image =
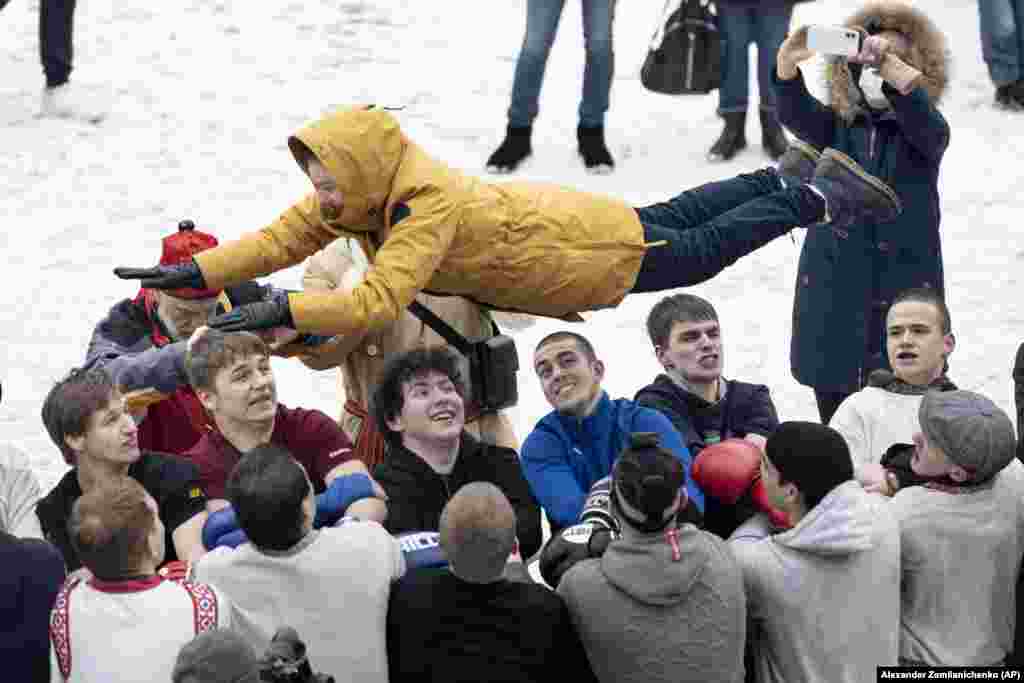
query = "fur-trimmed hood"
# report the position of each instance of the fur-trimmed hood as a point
(928, 53)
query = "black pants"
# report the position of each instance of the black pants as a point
(55, 21)
(828, 403)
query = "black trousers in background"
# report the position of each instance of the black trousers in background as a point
(828, 403)
(55, 20)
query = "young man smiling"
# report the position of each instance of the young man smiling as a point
(419, 407)
(919, 341)
(86, 418)
(232, 377)
(576, 444)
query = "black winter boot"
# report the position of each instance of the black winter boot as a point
(797, 164)
(596, 157)
(512, 151)
(852, 194)
(732, 139)
(773, 137)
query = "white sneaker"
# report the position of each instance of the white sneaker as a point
(71, 101)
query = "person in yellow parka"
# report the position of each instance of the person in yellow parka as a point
(529, 247)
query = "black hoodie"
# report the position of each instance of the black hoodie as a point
(417, 494)
(746, 409)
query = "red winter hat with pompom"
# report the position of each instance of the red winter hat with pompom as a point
(180, 248)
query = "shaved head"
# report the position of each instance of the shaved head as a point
(478, 532)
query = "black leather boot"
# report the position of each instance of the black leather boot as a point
(512, 151)
(732, 139)
(773, 137)
(596, 157)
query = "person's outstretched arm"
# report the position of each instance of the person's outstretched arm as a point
(422, 231)
(798, 110)
(296, 234)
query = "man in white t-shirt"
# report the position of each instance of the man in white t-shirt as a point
(331, 585)
(919, 341)
(125, 623)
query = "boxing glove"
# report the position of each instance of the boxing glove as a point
(422, 549)
(221, 529)
(574, 544)
(597, 508)
(778, 518)
(343, 491)
(726, 470)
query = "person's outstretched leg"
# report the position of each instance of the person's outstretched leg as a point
(692, 253)
(683, 251)
(693, 207)
(55, 47)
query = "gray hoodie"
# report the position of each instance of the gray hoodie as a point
(824, 597)
(644, 617)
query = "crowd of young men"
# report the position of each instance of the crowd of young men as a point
(694, 536)
(666, 565)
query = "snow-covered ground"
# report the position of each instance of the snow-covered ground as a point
(203, 94)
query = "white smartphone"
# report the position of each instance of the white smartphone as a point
(833, 40)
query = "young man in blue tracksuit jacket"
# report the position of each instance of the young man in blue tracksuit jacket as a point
(575, 445)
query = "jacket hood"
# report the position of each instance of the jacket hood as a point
(928, 53)
(362, 148)
(843, 523)
(642, 567)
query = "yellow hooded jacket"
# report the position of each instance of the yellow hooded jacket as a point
(530, 247)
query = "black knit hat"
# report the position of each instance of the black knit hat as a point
(647, 478)
(812, 456)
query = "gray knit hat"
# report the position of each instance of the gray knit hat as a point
(217, 656)
(970, 429)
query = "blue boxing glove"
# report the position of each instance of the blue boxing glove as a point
(422, 549)
(343, 491)
(222, 530)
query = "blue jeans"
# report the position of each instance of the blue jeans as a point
(541, 24)
(708, 228)
(766, 26)
(1002, 39)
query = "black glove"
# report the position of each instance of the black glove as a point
(165, 277)
(274, 311)
(574, 544)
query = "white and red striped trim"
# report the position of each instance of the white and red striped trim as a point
(204, 605)
(60, 627)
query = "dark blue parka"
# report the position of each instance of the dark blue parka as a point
(845, 284)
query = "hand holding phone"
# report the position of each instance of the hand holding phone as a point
(834, 40)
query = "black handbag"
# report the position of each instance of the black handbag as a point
(493, 362)
(685, 52)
